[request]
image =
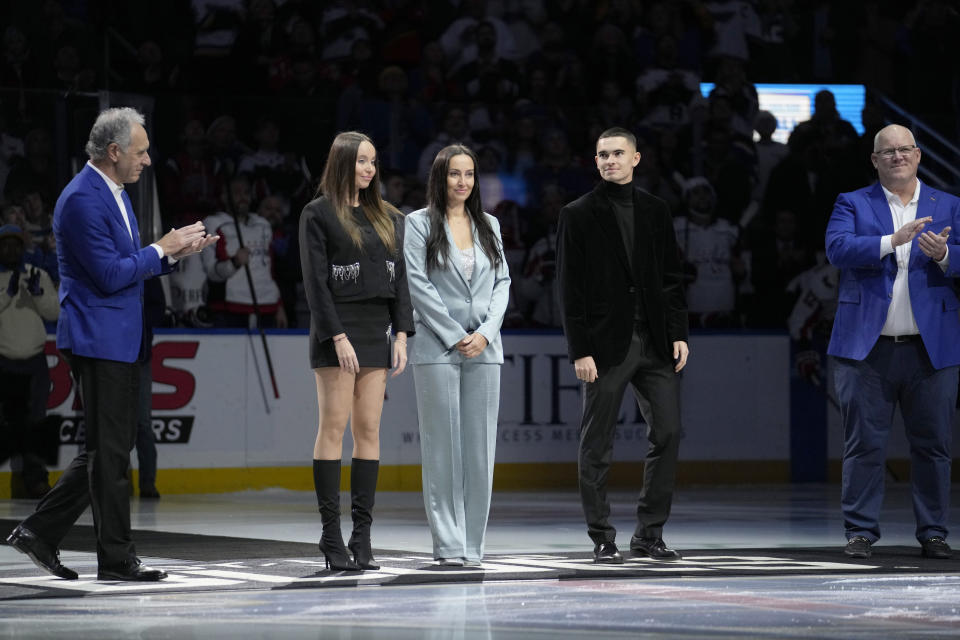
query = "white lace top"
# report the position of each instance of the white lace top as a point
(467, 261)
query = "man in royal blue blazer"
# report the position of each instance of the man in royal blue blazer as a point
(100, 332)
(896, 339)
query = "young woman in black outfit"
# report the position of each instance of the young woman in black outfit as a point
(351, 247)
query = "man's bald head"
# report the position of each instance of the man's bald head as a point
(896, 158)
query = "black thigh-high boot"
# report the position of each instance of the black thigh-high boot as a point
(326, 481)
(363, 488)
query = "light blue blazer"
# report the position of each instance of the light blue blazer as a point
(445, 306)
(860, 218)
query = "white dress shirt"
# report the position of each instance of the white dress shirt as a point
(117, 191)
(900, 320)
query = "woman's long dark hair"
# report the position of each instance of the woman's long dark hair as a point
(339, 184)
(437, 245)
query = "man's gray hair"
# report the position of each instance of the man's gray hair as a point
(112, 125)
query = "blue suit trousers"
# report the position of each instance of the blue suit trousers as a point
(869, 390)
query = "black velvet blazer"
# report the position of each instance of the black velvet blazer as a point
(336, 270)
(598, 287)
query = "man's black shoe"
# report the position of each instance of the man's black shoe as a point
(607, 553)
(149, 493)
(935, 547)
(42, 554)
(131, 570)
(653, 548)
(858, 547)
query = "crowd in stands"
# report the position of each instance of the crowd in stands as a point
(249, 93)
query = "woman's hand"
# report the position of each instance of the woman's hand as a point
(399, 354)
(473, 345)
(345, 353)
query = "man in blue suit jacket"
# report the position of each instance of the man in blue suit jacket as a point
(895, 339)
(100, 332)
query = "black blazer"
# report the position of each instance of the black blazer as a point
(335, 270)
(598, 288)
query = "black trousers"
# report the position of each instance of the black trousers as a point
(24, 386)
(98, 476)
(657, 389)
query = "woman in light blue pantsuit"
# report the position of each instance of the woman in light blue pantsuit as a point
(459, 286)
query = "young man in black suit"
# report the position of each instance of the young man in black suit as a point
(625, 319)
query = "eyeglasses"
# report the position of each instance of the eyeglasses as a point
(903, 151)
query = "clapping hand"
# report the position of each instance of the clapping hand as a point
(33, 283)
(909, 231)
(934, 245)
(185, 241)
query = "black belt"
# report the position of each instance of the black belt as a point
(909, 337)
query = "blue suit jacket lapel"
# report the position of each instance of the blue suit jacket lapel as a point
(134, 226)
(95, 180)
(926, 207)
(881, 209)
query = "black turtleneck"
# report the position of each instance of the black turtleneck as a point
(621, 197)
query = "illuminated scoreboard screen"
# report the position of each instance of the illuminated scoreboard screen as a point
(793, 103)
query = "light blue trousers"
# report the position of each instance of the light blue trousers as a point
(457, 405)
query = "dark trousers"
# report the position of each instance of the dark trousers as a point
(868, 391)
(24, 386)
(146, 440)
(98, 476)
(657, 389)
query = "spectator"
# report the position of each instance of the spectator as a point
(40, 246)
(667, 88)
(400, 124)
(274, 171)
(154, 73)
(489, 76)
(11, 150)
(777, 256)
(709, 247)
(285, 250)
(769, 152)
(237, 254)
(558, 167)
(189, 181)
(28, 297)
(35, 171)
(260, 45)
(461, 40)
(18, 66)
(728, 167)
(454, 131)
(70, 72)
(430, 82)
(225, 147)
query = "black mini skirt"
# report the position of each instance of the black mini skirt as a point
(367, 325)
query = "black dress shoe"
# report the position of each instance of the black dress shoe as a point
(149, 493)
(42, 554)
(858, 547)
(131, 570)
(607, 553)
(653, 548)
(935, 547)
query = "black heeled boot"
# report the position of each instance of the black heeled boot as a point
(326, 481)
(363, 489)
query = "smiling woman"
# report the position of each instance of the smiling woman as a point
(459, 287)
(355, 283)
